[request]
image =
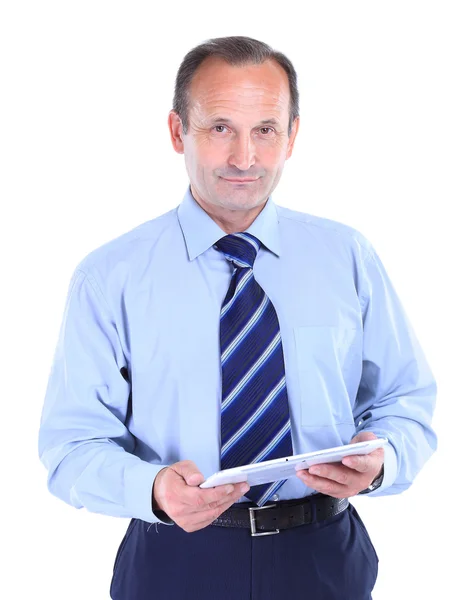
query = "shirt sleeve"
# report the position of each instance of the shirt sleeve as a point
(397, 391)
(83, 440)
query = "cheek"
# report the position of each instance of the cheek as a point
(208, 158)
(274, 158)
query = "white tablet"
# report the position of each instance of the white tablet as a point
(283, 468)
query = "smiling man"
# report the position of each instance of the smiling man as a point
(229, 331)
(234, 155)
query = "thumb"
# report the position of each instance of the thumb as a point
(363, 436)
(189, 471)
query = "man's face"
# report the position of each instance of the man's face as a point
(226, 137)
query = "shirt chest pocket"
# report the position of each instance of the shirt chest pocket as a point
(324, 354)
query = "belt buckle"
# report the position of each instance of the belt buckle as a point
(253, 523)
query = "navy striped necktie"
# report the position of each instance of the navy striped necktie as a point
(255, 421)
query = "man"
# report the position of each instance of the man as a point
(230, 331)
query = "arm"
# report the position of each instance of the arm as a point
(83, 441)
(395, 399)
(397, 392)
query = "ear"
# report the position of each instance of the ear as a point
(293, 135)
(176, 131)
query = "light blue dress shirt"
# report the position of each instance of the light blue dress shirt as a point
(135, 383)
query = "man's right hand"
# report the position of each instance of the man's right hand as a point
(176, 492)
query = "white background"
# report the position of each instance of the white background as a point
(86, 156)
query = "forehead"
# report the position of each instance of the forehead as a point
(218, 86)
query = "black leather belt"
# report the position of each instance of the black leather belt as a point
(270, 518)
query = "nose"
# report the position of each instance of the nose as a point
(243, 153)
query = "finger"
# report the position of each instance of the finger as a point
(210, 515)
(364, 462)
(237, 494)
(194, 479)
(189, 471)
(335, 472)
(198, 499)
(325, 486)
(183, 497)
(201, 500)
(358, 463)
(231, 498)
(363, 436)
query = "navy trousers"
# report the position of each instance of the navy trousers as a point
(332, 559)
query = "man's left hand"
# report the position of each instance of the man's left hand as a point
(346, 479)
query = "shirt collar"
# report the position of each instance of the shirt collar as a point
(200, 231)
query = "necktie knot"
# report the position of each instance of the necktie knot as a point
(239, 248)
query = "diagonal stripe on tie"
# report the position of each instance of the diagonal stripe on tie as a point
(256, 415)
(255, 420)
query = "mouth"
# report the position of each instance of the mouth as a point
(239, 180)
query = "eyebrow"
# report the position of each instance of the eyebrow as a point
(264, 122)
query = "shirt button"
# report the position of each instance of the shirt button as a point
(275, 497)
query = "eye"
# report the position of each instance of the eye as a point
(261, 129)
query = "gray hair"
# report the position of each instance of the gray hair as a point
(237, 51)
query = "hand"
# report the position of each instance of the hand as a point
(176, 492)
(346, 479)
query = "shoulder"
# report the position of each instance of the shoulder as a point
(129, 247)
(305, 224)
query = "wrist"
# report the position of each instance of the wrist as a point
(156, 505)
(380, 474)
(156, 508)
(376, 483)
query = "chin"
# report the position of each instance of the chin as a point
(242, 205)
